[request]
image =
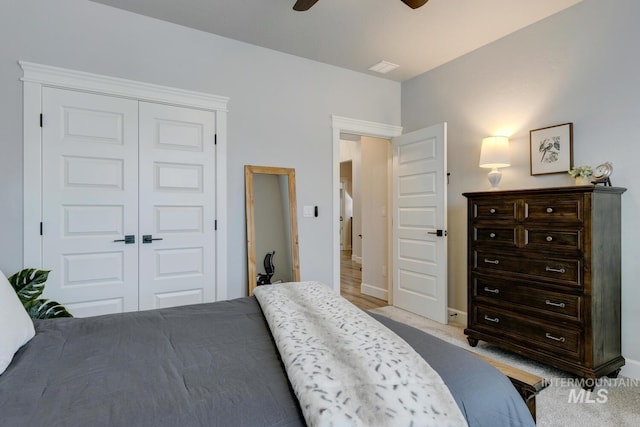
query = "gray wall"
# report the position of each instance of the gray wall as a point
(279, 115)
(578, 66)
(374, 180)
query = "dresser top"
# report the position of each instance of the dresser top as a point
(549, 190)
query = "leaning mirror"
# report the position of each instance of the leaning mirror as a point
(272, 225)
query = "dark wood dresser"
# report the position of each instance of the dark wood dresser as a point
(544, 275)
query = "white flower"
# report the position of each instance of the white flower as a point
(584, 170)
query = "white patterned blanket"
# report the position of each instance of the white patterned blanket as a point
(348, 369)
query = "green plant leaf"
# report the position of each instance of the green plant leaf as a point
(46, 309)
(29, 283)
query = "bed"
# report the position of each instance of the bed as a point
(210, 364)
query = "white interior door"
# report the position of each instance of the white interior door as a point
(90, 201)
(420, 222)
(177, 206)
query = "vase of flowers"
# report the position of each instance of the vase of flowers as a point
(582, 174)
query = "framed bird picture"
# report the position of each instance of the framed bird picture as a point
(551, 149)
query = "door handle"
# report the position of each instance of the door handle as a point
(128, 239)
(148, 238)
(438, 233)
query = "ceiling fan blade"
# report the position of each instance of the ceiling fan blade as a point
(414, 4)
(302, 5)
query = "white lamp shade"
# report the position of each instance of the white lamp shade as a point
(494, 152)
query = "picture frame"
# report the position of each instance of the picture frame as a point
(551, 149)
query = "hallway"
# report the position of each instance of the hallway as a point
(350, 280)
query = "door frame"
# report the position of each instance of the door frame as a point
(35, 76)
(358, 127)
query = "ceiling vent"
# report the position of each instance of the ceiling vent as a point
(383, 67)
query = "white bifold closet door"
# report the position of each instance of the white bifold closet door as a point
(114, 171)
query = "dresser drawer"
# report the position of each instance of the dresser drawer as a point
(548, 239)
(502, 210)
(544, 302)
(553, 338)
(495, 235)
(553, 209)
(563, 271)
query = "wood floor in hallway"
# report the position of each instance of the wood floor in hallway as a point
(350, 280)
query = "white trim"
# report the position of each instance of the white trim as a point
(457, 317)
(358, 127)
(47, 75)
(631, 369)
(363, 127)
(221, 206)
(32, 174)
(35, 76)
(375, 292)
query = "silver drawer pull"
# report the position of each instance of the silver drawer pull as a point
(555, 270)
(549, 210)
(494, 319)
(555, 304)
(492, 235)
(551, 337)
(492, 261)
(549, 239)
(492, 211)
(493, 291)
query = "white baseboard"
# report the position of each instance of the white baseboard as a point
(457, 317)
(356, 259)
(631, 369)
(375, 292)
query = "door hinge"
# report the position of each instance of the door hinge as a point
(41, 119)
(215, 224)
(41, 228)
(215, 139)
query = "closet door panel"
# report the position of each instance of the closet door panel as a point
(177, 206)
(90, 201)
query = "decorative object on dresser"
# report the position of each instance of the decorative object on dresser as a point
(582, 174)
(494, 154)
(551, 149)
(602, 174)
(544, 275)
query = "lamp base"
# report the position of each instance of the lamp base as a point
(494, 178)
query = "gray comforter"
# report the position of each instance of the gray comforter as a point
(201, 365)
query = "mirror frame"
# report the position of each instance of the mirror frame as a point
(249, 171)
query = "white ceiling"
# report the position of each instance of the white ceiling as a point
(356, 34)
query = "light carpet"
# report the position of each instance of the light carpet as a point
(614, 402)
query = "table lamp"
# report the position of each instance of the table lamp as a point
(494, 154)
